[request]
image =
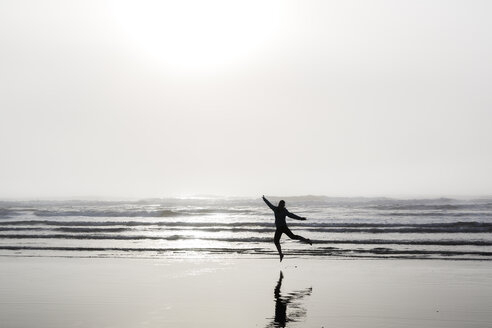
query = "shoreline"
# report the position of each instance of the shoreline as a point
(268, 255)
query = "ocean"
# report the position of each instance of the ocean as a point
(366, 228)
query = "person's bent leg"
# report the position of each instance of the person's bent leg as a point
(297, 237)
(276, 240)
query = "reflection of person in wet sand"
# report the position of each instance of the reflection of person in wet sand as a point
(280, 214)
(281, 303)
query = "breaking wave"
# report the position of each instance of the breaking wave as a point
(250, 239)
(445, 227)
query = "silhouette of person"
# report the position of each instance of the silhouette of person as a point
(281, 303)
(281, 225)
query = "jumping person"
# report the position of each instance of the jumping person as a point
(280, 214)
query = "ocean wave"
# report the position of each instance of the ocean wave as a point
(435, 207)
(481, 214)
(23, 229)
(442, 227)
(94, 236)
(139, 212)
(107, 213)
(383, 252)
(91, 230)
(6, 212)
(378, 252)
(419, 230)
(133, 237)
(250, 239)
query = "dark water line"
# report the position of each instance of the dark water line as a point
(86, 229)
(251, 239)
(330, 251)
(470, 225)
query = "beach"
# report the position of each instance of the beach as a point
(212, 263)
(243, 292)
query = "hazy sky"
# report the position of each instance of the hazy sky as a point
(154, 98)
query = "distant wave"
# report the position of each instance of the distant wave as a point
(6, 212)
(107, 213)
(426, 207)
(138, 213)
(479, 214)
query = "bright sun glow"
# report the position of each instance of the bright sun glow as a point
(197, 36)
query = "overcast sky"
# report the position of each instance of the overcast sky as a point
(153, 98)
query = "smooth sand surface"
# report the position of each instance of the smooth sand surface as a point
(78, 292)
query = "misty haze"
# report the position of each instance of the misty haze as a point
(162, 99)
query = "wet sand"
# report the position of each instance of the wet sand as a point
(237, 292)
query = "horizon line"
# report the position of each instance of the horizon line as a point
(217, 196)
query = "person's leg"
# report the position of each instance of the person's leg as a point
(276, 240)
(296, 237)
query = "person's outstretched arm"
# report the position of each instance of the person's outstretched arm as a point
(269, 204)
(294, 216)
